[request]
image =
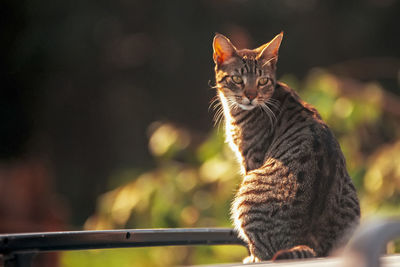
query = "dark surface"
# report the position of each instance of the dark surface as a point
(53, 241)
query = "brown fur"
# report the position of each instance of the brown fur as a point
(296, 199)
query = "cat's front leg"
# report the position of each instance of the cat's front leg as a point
(251, 213)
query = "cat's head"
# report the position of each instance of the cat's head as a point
(246, 78)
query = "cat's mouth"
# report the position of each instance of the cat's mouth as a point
(247, 106)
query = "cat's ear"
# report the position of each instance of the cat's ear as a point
(223, 49)
(269, 51)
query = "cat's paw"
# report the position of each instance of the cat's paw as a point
(251, 259)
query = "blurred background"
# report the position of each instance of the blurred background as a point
(105, 119)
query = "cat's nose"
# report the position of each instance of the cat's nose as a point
(250, 95)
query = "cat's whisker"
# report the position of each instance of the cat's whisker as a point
(217, 105)
(214, 103)
(270, 114)
(215, 116)
(266, 112)
(218, 117)
(235, 106)
(232, 104)
(214, 100)
(274, 103)
(272, 100)
(277, 105)
(273, 114)
(220, 120)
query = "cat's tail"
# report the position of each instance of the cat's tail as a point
(298, 252)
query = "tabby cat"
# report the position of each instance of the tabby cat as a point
(296, 199)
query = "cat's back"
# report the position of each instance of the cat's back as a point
(305, 145)
(308, 148)
(300, 130)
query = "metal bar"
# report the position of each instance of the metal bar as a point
(369, 241)
(74, 240)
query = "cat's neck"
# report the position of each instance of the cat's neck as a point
(245, 128)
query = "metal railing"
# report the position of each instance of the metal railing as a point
(17, 250)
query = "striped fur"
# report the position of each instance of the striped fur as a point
(296, 199)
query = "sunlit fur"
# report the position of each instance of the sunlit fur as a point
(296, 199)
(228, 105)
(251, 66)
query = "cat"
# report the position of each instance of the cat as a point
(296, 199)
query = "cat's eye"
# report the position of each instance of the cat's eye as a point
(237, 79)
(263, 81)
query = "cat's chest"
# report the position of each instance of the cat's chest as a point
(249, 145)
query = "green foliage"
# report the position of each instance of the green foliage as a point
(193, 183)
(157, 256)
